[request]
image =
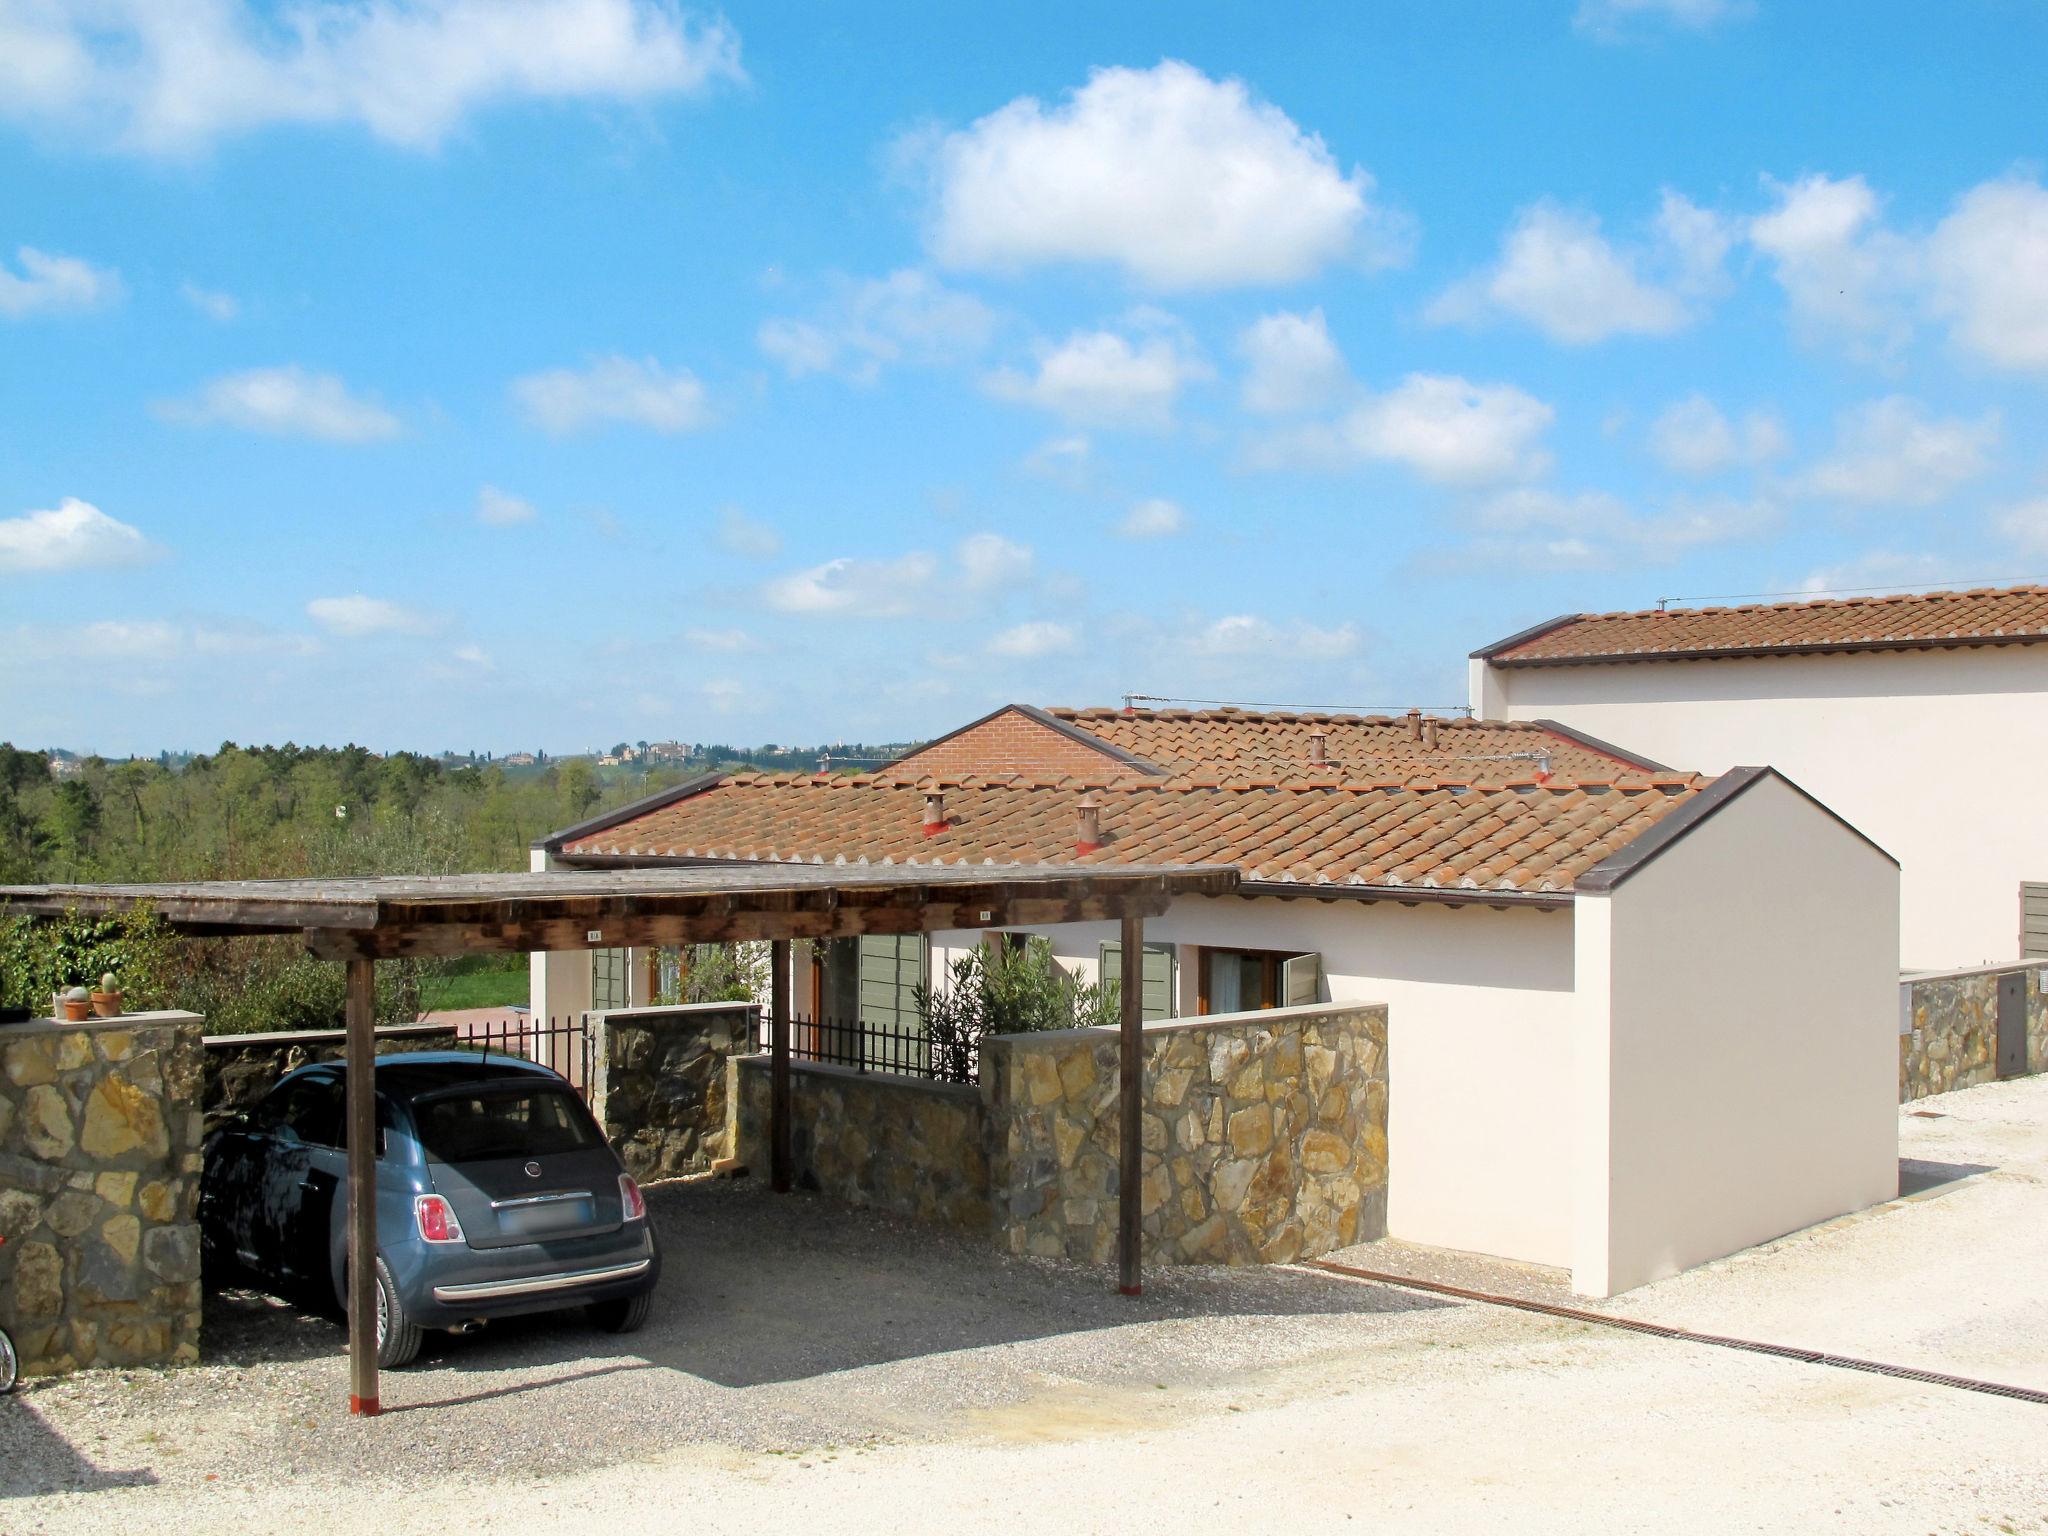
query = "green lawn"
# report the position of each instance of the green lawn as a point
(476, 989)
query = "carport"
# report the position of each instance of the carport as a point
(363, 919)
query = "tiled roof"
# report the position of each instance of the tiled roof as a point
(1497, 833)
(1376, 746)
(1984, 616)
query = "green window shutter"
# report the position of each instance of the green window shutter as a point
(1157, 1002)
(891, 966)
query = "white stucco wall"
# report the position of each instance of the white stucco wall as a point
(1909, 746)
(1736, 1075)
(1480, 1015)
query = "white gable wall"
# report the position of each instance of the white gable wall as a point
(1919, 749)
(1737, 1069)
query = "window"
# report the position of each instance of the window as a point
(479, 1125)
(610, 979)
(309, 1110)
(1158, 999)
(1239, 980)
(873, 978)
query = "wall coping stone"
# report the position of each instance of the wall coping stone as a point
(760, 1061)
(1990, 968)
(667, 1010)
(1054, 1039)
(281, 1037)
(86, 1026)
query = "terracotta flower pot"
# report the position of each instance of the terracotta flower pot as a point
(106, 1005)
(76, 1011)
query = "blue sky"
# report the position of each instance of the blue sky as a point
(442, 373)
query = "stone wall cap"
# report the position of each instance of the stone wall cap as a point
(156, 1019)
(1989, 968)
(1053, 1039)
(893, 1082)
(662, 1010)
(323, 1036)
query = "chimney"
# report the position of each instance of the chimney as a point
(1415, 725)
(1088, 835)
(934, 813)
(1319, 746)
(1429, 733)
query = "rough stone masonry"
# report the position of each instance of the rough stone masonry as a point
(100, 1126)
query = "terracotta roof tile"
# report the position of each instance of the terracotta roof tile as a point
(1915, 621)
(1526, 838)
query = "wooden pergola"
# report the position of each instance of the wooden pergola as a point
(360, 920)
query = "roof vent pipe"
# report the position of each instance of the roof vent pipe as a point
(934, 813)
(1088, 834)
(1415, 725)
(1429, 733)
(1318, 746)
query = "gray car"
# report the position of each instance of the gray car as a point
(496, 1195)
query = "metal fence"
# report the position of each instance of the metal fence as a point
(865, 1046)
(568, 1044)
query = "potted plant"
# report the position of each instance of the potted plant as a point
(77, 1006)
(106, 1002)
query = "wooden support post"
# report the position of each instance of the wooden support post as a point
(362, 1186)
(781, 1164)
(1131, 1108)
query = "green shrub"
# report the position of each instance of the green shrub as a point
(41, 956)
(1006, 992)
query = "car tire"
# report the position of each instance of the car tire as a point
(621, 1316)
(398, 1337)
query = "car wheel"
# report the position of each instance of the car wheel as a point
(621, 1316)
(10, 1364)
(398, 1336)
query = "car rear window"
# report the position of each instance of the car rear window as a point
(475, 1127)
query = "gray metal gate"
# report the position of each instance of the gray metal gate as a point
(2012, 1024)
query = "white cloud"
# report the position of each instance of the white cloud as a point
(1039, 637)
(1244, 634)
(989, 560)
(149, 641)
(1153, 518)
(747, 537)
(155, 78)
(1988, 261)
(906, 317)
(855, 588)
(47, 284)
(501, 509)
(1877, 570)
(1293, 365)
(1181, 180)
(72, 536)
(726, 641)
(1063, 459)
(1890, 451)
(221, 308)
(285, 402)
(474, 656)
(2025, 525)
(357, 615)
(1543, 529)
(1847, 277)
(1450, 430)
(637, 392)
(1693, 437)
(1100, 378)
(1610, 20)
(1560, 274)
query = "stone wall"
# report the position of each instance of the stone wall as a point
(1949, 1035)
(661, 1082)
(1265, 1137)
(240, 1069)
(100, 1127)
(873, 1139)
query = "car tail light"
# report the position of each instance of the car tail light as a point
(631, 1201)
(436, 1218)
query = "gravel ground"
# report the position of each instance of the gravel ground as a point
(807, 1364)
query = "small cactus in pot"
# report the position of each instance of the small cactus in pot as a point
(106, 1002)
(74, 1005)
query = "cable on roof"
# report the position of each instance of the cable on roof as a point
(1903, 588)
(1358, 709)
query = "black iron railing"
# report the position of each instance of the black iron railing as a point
(864, 1046)
(567, 1044)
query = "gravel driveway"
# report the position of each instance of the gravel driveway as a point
(811, 1366)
